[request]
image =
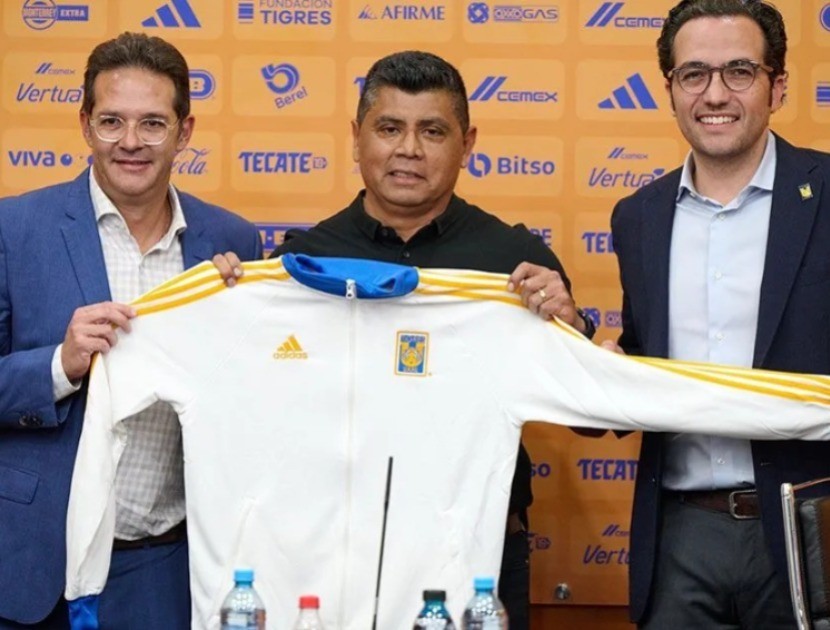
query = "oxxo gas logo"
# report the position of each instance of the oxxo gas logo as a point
(40, 15)
(609, 319)
(481, 13)
(607, 469)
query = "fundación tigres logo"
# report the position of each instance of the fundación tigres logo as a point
(411, 357)
(290, 349)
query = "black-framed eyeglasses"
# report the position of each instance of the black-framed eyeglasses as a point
(150, 131)
(738, 75)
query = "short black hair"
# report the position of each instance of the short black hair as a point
(764, 14)
(137, 50)
(414, 71)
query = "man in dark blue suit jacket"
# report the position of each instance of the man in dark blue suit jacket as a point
(725, 260)
(60, 250)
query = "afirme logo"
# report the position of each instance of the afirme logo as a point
(41, 14)
(173, 14)
(607, 15)
(290, 349)
(633, 94)
(408, 12)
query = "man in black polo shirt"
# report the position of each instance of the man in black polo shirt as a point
(412, 137)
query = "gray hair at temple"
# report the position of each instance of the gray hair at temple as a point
(413, 72)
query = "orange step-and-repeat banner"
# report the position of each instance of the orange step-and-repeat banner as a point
(572, 115)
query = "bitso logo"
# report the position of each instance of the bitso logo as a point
(412, 350)
(42, 14)
(283, 80)
(633, 94)
(405, 12)
(290, 349)
(173, 14)
(608, 15)
(481, 165)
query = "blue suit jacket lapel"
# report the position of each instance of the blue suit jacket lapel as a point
(196, 244)
(657, 214)
(790, 226)
(80, 235)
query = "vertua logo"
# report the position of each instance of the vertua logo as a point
(42, 14)
(173, 14)
(633, 94)
(43, 89)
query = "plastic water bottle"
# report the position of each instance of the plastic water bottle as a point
(434, 615)
(485, 611)
(309, 618)
(243, 609)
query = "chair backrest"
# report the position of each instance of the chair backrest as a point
(807, 534)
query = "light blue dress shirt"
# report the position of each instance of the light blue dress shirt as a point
(715, 272)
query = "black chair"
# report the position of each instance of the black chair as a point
(807, 532)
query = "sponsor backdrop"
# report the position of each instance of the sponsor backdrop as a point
(572, 114)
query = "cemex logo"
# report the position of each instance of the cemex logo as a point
(42, 14)
(620, 153)
(490, 88)
(608, 15)
(173, 14)
(47, 68)
(633, 94)
(614, 531)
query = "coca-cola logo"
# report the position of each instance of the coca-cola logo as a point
(191, 161)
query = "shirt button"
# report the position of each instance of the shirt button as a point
(719, 336)
(721, 216)
(718, 275)
(406, 254)
(720, 461)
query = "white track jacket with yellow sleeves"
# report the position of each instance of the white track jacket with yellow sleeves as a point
(294, 388)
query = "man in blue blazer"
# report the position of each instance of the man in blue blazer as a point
(71, 256)
(724, 260)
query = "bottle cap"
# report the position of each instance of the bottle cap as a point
(243, 576)
(435, 596)
(309, 601)
(484, 583)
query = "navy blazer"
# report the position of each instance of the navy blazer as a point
(51, 263)
(793, 332)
